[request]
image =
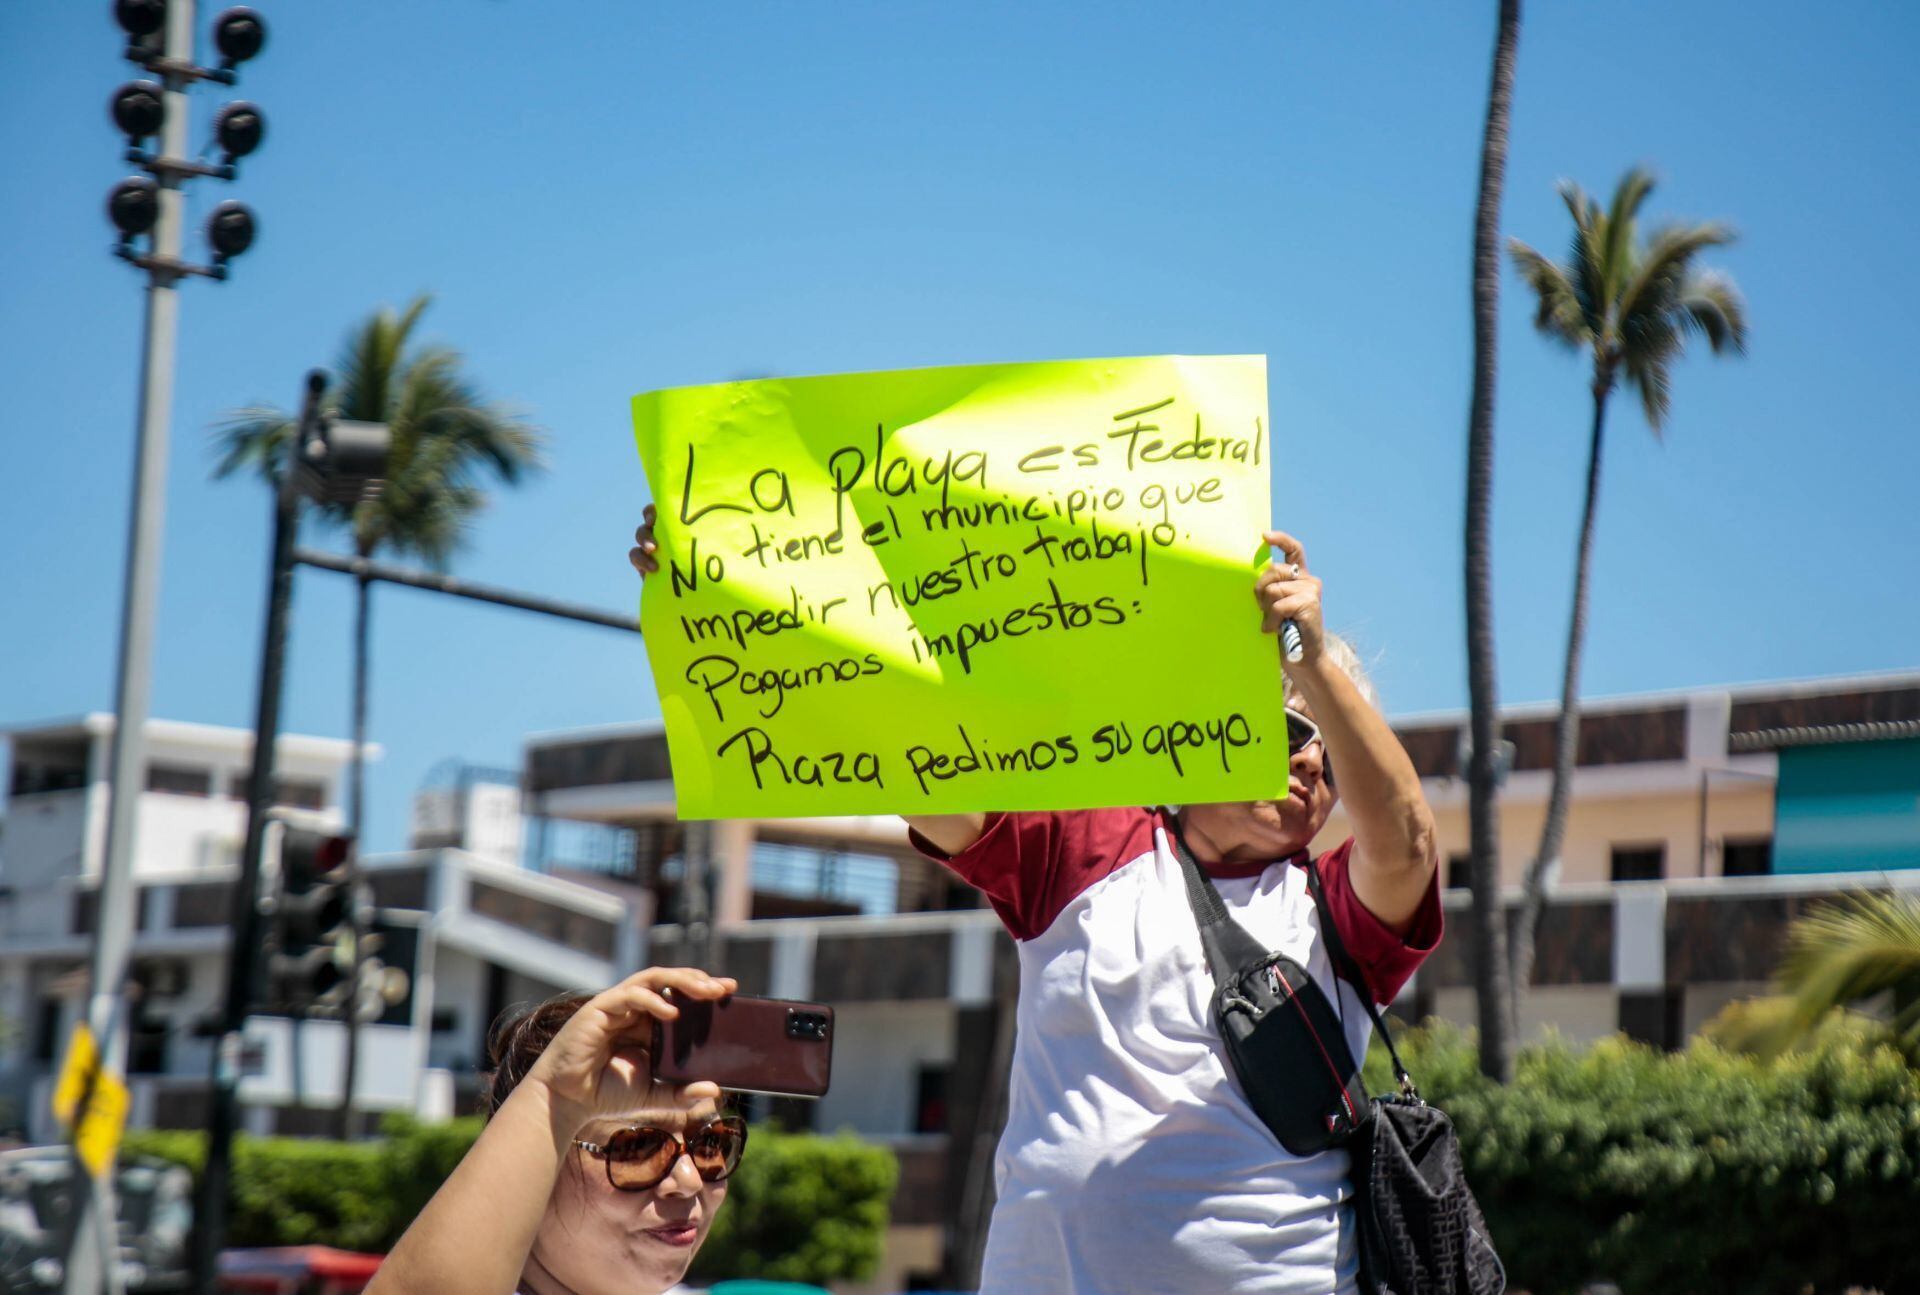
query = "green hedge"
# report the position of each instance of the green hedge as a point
(293, 1191)
(802, 1208)
(1700, 1171)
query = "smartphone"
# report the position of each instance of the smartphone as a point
(748, 1044)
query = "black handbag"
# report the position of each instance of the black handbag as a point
(1284, 1042)
(1420, 1230)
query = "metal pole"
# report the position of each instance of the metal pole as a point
(356, 822)
(370, 569)
(93, 1259)
(243, 952)
(696, 896)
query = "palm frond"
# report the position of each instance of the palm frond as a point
(1583, 268)
(373, 360)
(1648, 348)
(1709, 304)
(253, 439)
(1558, 313)
(1622, 220)
(1662, 271)
(1847, 951)
(1762, 1027)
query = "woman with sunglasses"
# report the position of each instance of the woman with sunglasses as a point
(589, 1178)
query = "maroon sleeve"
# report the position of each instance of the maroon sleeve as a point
(1386, 960)
(1031, 866)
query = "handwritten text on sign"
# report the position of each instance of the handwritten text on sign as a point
(1010, 586)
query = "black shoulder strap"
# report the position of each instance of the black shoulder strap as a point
(1345, 967)
(1229, 946)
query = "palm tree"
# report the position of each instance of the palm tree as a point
(444, 437)
(1839, 954)
(1490, 934)
(1631, 307)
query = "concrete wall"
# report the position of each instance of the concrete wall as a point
(41, 852)
(305, 1061)
(186, 832)
(459, 987)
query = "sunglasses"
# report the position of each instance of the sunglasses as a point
(639, 1159)
(1303, 733)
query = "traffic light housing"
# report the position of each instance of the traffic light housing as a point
(346, 463)
(309, 926)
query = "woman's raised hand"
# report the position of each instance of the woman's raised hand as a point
(644, 546)
(597, 1064)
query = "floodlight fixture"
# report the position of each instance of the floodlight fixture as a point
(138, 109)
(239, 129)
(239, 34)
(140, 18)
(134, 206)
(230, 230)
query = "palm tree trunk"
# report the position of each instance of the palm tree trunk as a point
(1566, 730)
(1489, 924)
(356, 822)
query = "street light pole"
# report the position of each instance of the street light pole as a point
(243, 955)
(93, 1261)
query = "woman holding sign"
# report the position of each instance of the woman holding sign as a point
(1131, 1160)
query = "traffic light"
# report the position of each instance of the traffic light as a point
(309, 924)
(346, 463)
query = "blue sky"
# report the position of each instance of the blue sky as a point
(610, 197)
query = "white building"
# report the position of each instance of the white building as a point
(474, 933)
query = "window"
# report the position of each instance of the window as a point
(31, 777)
(146, 1043)
(930, 1099)
(179, 780)
(204, 905)
(300, 793)
(1639, 862)
(46, 1030)
(1459, 872)
(1750, 858)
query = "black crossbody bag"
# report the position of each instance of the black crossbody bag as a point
(1421, 1231)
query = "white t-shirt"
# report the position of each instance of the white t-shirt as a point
(1130, 1162)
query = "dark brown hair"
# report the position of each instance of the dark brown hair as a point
(516, 1041)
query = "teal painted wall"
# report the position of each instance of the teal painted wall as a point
(1847, 808)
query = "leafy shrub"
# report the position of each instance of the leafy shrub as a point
(419, 1158)
(293, 1191)
(1699, 1171)
(801, 1207)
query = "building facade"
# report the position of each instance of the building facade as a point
(472, 933)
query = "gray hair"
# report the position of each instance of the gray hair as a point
(1341, 654)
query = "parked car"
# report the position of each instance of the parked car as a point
(155, 1202)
